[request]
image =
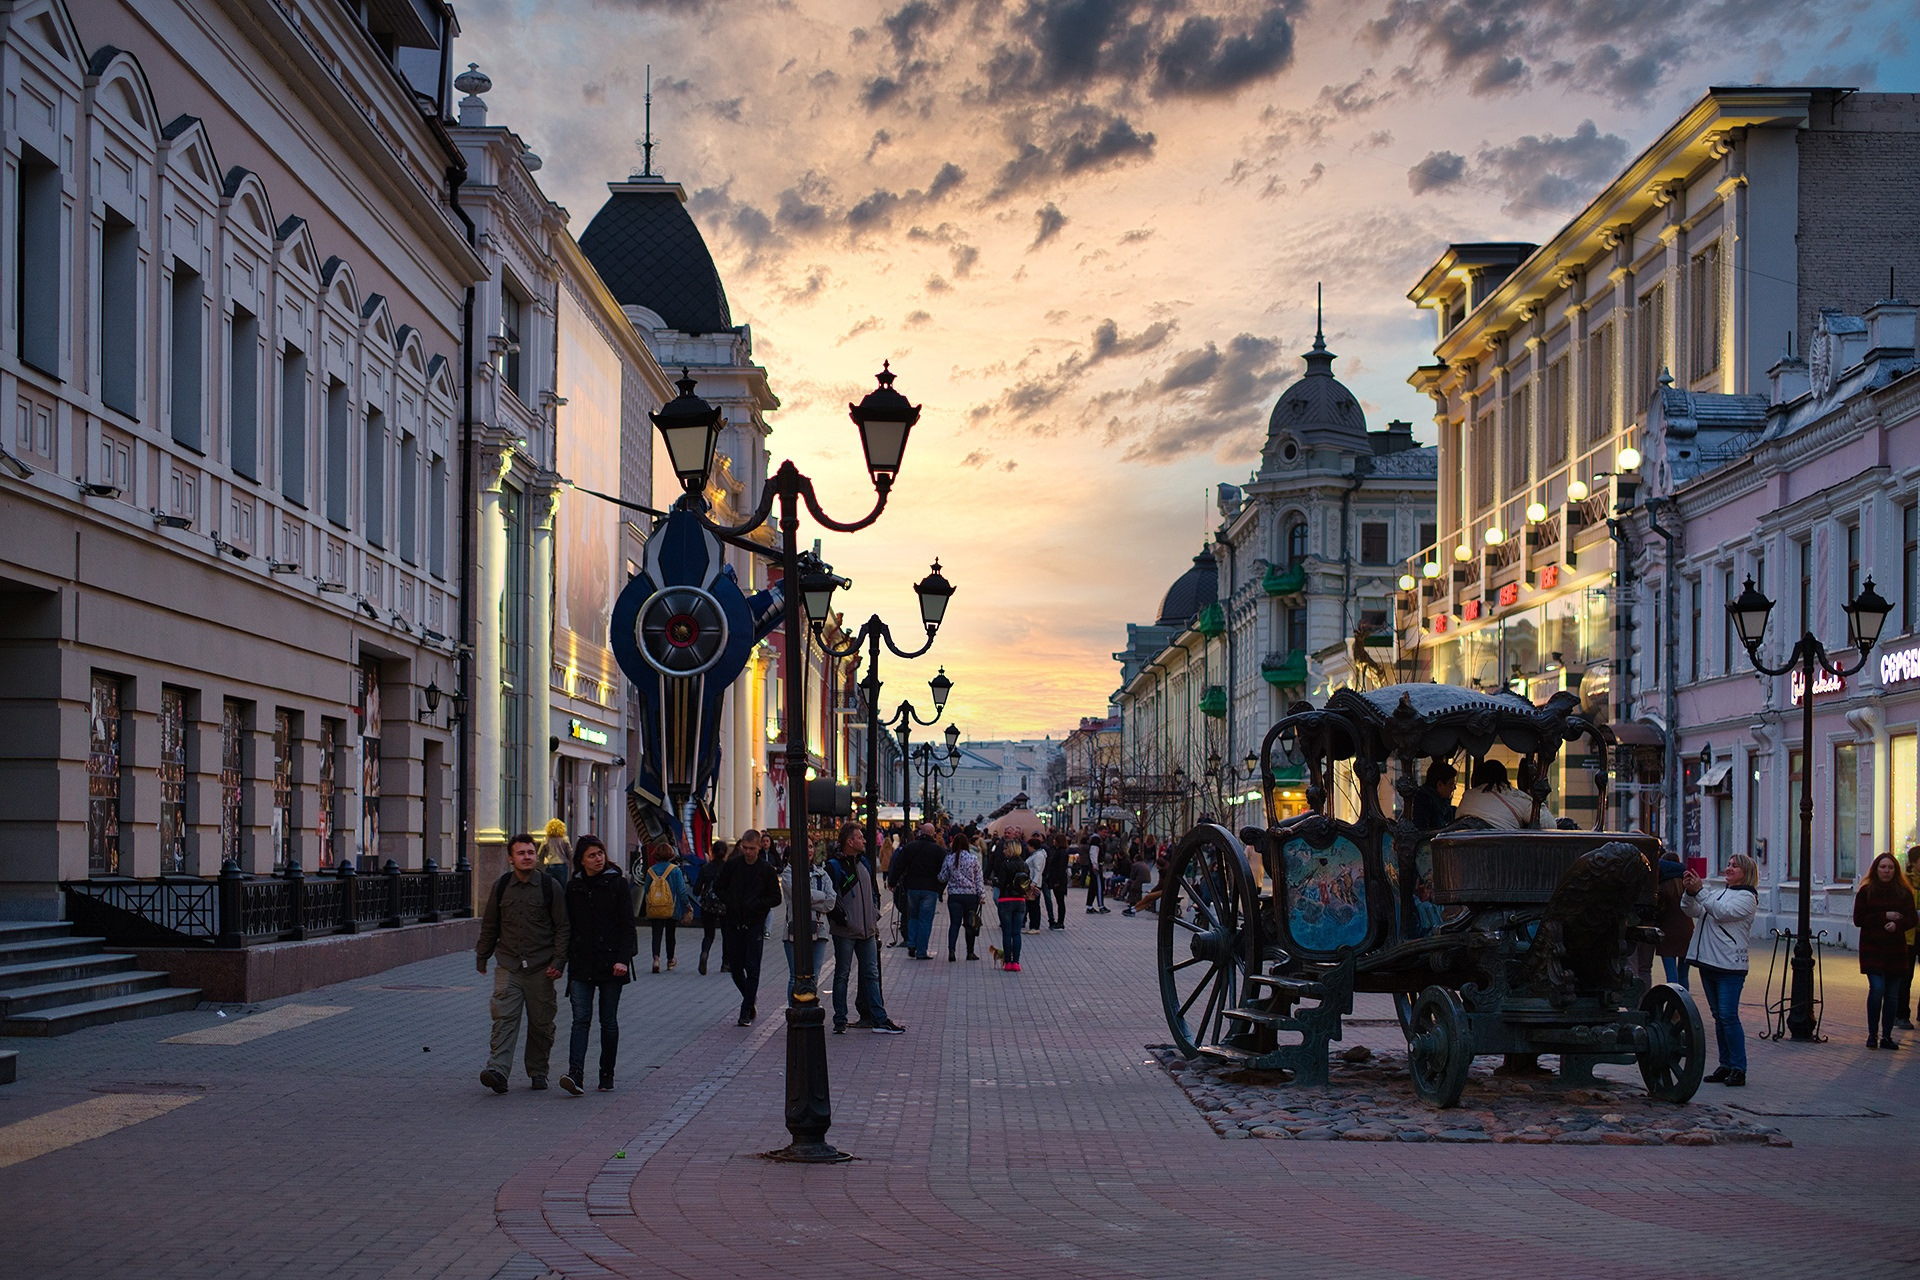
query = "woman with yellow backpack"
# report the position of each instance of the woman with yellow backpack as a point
(660, 899)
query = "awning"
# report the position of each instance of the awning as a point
(1716, 775)
(1639, 733)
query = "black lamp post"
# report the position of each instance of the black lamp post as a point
(904, 717)
(691, 428)
(933, 765)
(1866, 615)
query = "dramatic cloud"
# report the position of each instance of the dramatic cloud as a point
(1537, 173)
(1080, 139)
(1439, 169)
(1048, 220)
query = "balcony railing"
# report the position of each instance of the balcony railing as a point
(1288, 671)
(1290, 581)
(237, 910)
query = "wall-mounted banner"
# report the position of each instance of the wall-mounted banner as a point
(1899, 666)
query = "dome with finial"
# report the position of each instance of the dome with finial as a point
(1191, 592)
(1317, 410)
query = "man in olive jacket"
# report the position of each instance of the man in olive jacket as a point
(524, 924)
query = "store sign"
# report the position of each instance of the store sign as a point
(1823, 682)
(586, 732)
(1900, 666)
(1470, 610)
(1439, 624)
(1549, 577)
(1509, 594)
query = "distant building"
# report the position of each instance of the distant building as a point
(993, 772)
(1088, 786)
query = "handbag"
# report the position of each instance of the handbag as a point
(971, 921)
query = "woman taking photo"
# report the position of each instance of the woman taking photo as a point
(601, 945)
(1719, 952)
(1883, 909)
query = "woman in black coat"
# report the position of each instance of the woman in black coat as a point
(600, 954)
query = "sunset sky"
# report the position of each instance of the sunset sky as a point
(1087, 234)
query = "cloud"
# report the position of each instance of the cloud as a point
(874, 211)
(915, 319)
(1212, 398)
(937, 284)
(1205, 58)
(1030, 396)
(1049, 46)
(964, 258)
(1439, 169)
(1078, 139)
(950, 176)
(977, 458)
(1049, 220)
(865, 326)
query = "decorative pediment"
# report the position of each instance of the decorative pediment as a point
(119, 87)
(342, 290)
(294, 244)
(440, 379)
(190, 158)
(47, 25)
(412, 352)
(247, 205)
(377, 323)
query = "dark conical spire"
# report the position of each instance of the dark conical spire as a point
(1319, 359)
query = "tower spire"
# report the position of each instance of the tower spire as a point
(1319, 318)
(646, 140)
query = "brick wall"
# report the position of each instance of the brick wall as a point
(1859, 204)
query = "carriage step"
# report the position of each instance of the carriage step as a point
(1228, 1052)
(1260, 1018)
(1299, 988)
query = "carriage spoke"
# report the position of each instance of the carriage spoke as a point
(1191, 960)
(1204, 983)
(1186, 924)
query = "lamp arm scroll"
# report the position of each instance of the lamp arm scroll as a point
(805, 487)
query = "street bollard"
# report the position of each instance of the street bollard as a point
(296, 930)
(432, 871)
(393, 896)
(230, 901)
(349, 897)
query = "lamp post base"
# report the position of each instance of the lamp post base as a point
(1801, 1023)
(808, 1153)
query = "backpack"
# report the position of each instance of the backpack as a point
(500, 887)
(843, 895)
(659, 899)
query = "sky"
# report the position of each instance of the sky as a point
(1087, 234)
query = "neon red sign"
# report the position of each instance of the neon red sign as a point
(1509, 594)
(1550, 577)
(1470, 610)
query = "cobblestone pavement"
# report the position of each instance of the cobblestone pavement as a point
(1021, 1128)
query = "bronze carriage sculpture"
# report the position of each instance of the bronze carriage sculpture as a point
(1490, 942)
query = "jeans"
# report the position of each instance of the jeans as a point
(516, 991)
(1722, 987)
(711, 927)
(741, 946)
(1676, 967)
(662, 929)
(958, 904)
(819, 959)
(921, 904)
(866, 952)
(1013, 914)
(581, 994)
(1882, 1004)
(1055, 896)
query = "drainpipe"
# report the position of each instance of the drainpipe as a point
(463, 785)
(1233, 585)
(1622, 621)
(1671, 659)
(1361, 466)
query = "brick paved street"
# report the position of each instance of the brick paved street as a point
(1019, 1129)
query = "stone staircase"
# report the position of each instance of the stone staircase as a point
(52, 982)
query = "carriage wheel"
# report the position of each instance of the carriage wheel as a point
(1208, 914)
(1677, 1054)
(1439, 1050)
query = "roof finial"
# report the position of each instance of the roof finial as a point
(1319, 318)
(646, 140)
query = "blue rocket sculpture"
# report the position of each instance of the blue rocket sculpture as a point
(682, 632)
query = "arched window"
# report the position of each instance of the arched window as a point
(1296, 541)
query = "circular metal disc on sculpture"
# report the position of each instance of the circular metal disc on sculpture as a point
(681, 630)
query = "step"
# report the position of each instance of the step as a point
(59, 1021)
(50, 995)
(30, 931)
(1260, 1018)
(1228, 1052)
(47, 949)
(62, 969)
(1299, 988)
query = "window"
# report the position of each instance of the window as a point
(1651, 335)
(284, 741)
(1519, 439)
(1904, 768)
(513, 313)
(293, 425)
(437, 517)
(1600, 360)
(327, 820)
(1796, 779)
(1296, 542)
(1482, 461)
(514, 677)
(1693, 629)
(33, 427)
(367, 846)
(1727, 596)
(1846, 811)
(1756, 818)
(1429, 533)
(1374, 543)
(1909, 567)
(119, 314)
(1553, 423)
(243, 395)
(187, 293)
(1853, 561)
(37, 249)
(409, 499)
(1806, 584)
(1296, 630)
(374, 477)
(1703, 319)
(116, 462)
(233, 781)
(173, 780)
(337, 426)
(103, 777)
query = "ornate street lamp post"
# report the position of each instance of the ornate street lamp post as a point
(690, 428)
(1866, 615)
(904, 717)
(932, 766)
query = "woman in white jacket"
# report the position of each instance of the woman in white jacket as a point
(821, 891)
(1719, 952)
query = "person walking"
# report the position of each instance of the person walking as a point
(855, 922)
(749, 888)
(1059, 879)
(1676, 927)
(601, 945)
(1092, 857)
(916, 870)
(1012, 881)
(661, 899)
(1883, 910)
(706, 901)
(961, 870)
(1719, 953)
(1036, 870)
(525, 926)
(1904, 1021)
(821, 897)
